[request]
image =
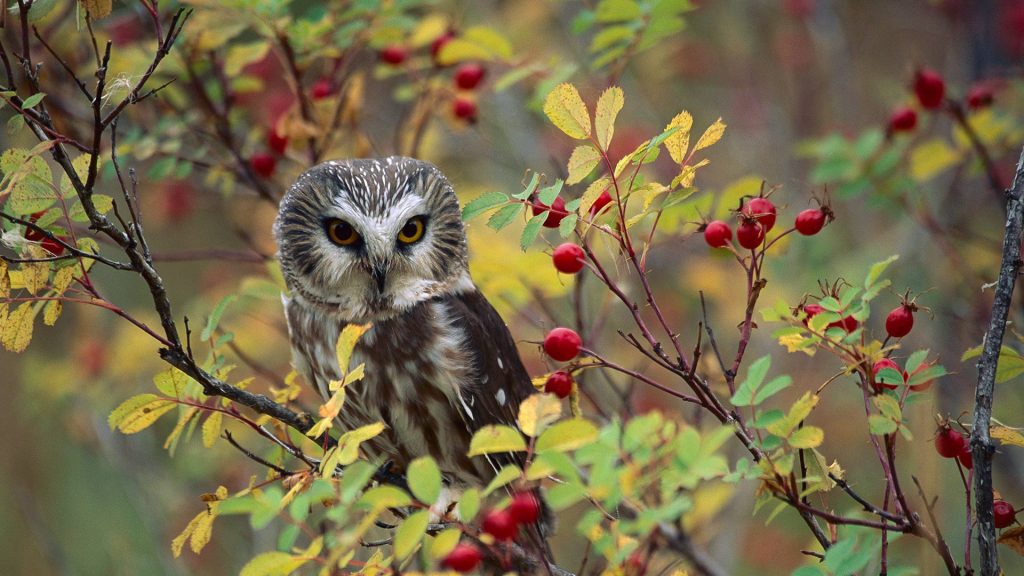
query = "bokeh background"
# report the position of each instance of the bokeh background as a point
(76, 498)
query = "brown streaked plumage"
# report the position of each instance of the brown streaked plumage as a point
(440, 362)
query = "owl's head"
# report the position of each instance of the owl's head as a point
(367, 239)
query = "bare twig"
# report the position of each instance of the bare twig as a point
(982, 447)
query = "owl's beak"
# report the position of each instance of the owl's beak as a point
(379, 273)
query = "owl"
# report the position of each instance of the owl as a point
(381, 241)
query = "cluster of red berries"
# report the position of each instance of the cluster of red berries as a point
(561, 344)
(930, 90)
(757, 217)
(951, 444)
(503, 525)
(466, 77)
(52, 246)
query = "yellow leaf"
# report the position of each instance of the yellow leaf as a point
(537, 412)
(18, 327)
(592, 193)
(444, 542)
(566, 110)
(138, 412)
(348, 444)
(931, 157)
(185, 418)
(797, 412)
(649, 192)
(347, 343)
(354, 375)
(679, 141)
(273, 564)
(5, 281)
(35, 274)
(51, 311)
(807, 437)
(241, 55)
(492, 438)
(1007, 436)
(567, 435)
(211, 428)
(1013, 539)
(688, 174)
(97, 8)
(410, 533)
(582, 163)
(428, 29)
(62, 279)
(711, 135)
(179, 541)
(608, 107)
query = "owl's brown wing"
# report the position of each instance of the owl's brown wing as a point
(501, 382)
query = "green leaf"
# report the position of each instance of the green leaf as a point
(215, 315)
(608, 107)
(1011, 363)
(483, 203)
(241, 55)
(531, 230)
(880, 425)
(567, 225)
(566, 110)
(547, 194)
(495, 438)
(530, 187)
(888, 407)
(797, 412)
(469, 504)
(877, 269)
(562, 496)
(582, 162)
(32, 100)
(567, 435)
(354, 479)
(29, 181)
(382, 497)
(424, 479)
(744, 395)
(617, 10)
(507, 474)
(772, 388)
(410, 534)
(915, 360)
(504, 216)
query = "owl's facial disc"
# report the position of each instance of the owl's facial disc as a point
(368, 239)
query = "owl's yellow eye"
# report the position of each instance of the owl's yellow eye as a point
(412, 231)
(341, 233)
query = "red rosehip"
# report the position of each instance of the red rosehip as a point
(463, 558)
(1003, 513)
(603, 200)
(812, 310)
(393, 55)
(559, 383)
(979, 96)
(930, 88)
(903, 119)
(179, 201)
(923, 385)
(568, 258)
(556, 212)
(500, 524)
(717, 234)
(562, 344)
(276, 142)
(900, 321)
(52, 246)
(848, 323)
(439, 42)
(31, 233)
(525, 509)
(468, 76)
(949, 443)
(810, 221)
(321, 89)
(881, 365)
(464, 109)
(762, 210)
(750, 234)
(263, 164)
(966, 458)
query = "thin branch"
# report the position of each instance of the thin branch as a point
(982, 447)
